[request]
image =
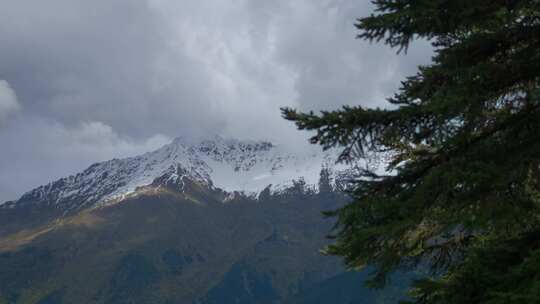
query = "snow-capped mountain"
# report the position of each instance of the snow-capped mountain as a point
(233, 166)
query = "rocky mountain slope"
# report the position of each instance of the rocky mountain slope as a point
(245, 167)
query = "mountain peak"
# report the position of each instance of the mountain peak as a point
(232, 165)
(220, 144)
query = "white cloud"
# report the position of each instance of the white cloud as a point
(8, 101)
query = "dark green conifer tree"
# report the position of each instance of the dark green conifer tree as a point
(324, 181)
(461, 193)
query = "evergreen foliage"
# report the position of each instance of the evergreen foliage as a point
(324, 181)
(462, 143)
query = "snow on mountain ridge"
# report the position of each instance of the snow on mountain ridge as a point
(229, 164)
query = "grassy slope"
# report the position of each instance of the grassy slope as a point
(171, 248)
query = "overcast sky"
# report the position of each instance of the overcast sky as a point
(84, 81)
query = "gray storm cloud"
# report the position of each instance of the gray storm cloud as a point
(110, 78)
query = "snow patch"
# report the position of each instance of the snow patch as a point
(246, 167)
